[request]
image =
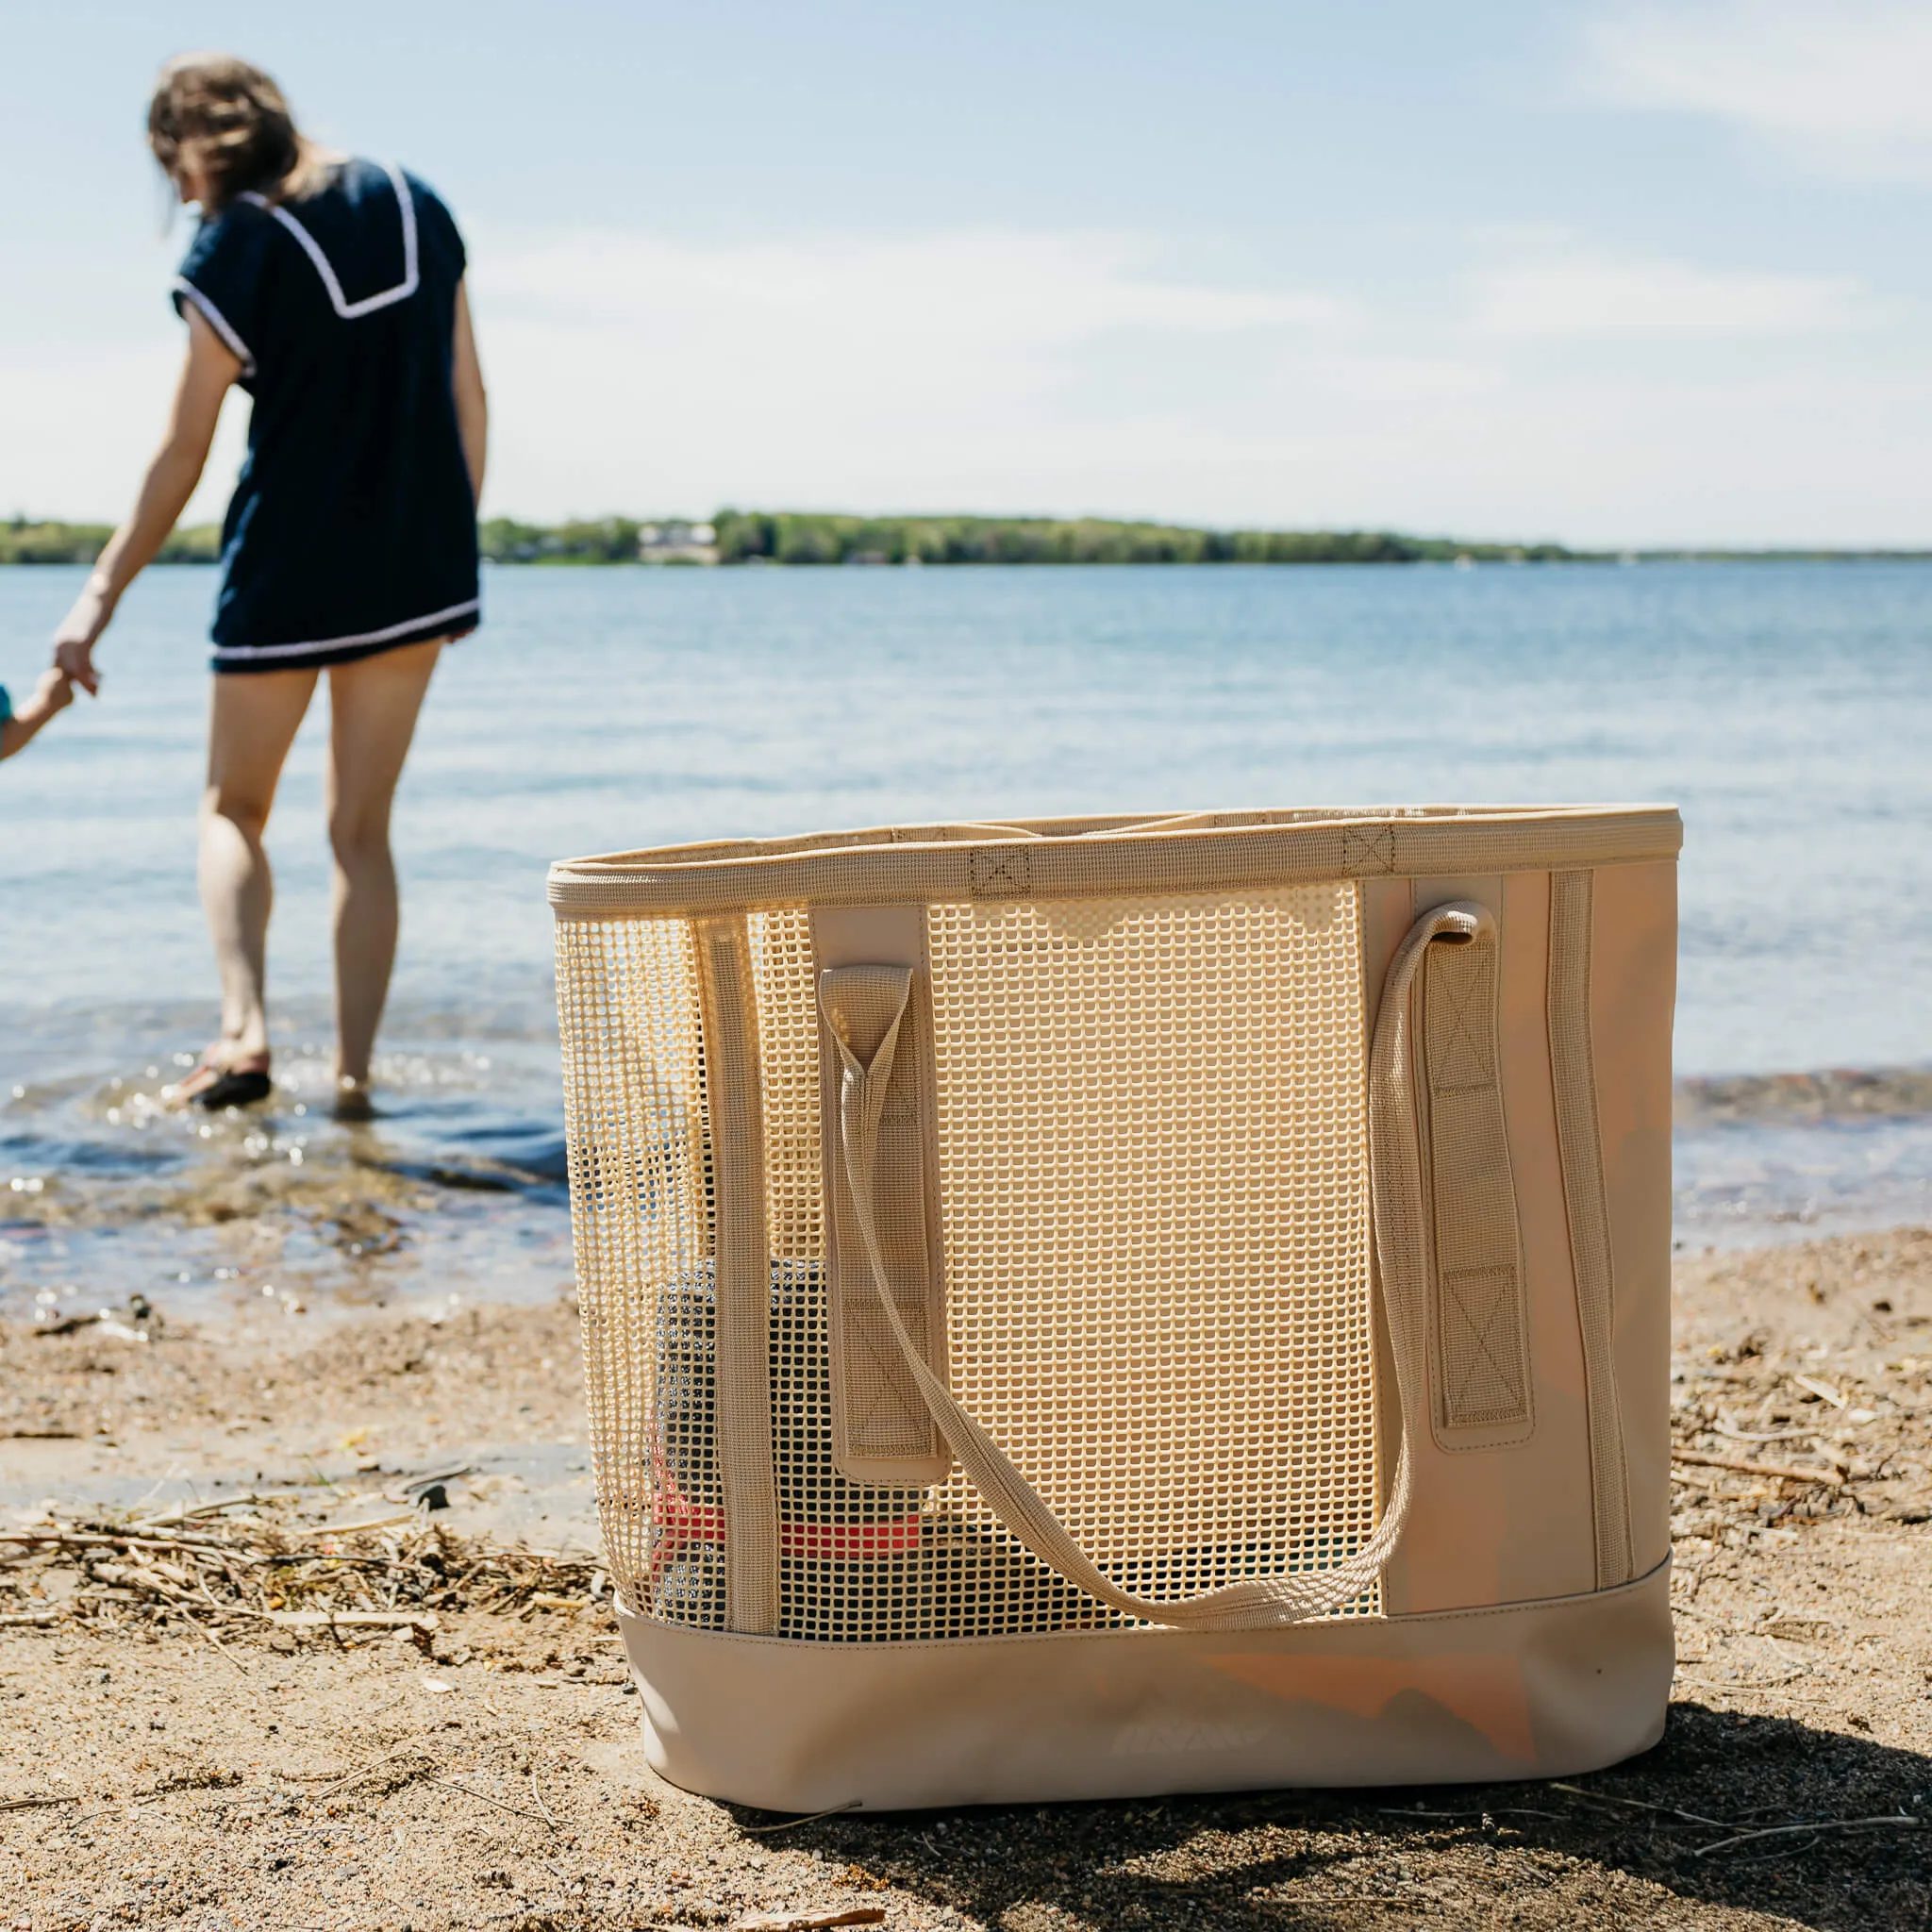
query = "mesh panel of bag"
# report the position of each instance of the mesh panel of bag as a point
(1153, 1194)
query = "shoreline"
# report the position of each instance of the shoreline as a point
(279, 1217)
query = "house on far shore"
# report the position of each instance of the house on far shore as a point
(678, 542)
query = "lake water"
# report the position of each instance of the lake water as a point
(1786, 709)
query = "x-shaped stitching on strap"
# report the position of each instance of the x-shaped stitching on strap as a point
(1463, 1031)
(1508, 1376)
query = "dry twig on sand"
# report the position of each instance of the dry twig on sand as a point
(790, 1823)
(810, 1922)
(1899, 1821)
(274, 1572)
(1829, 1478)
(374, 1764)
(522, 1811)
(1642, 1805)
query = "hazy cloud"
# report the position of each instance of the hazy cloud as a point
(987, 291)
(940, 368)
(1847, 85)
(1069, 372)
(1608, 297)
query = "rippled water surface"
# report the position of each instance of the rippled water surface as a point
(1786, 707)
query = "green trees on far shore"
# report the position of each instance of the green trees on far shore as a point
(21, 541)
(813, 537)
(602, 539)
(788, 537)
(607, 540)
(792, 537)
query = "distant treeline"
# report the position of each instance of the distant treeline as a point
(601, 540)
(787, 537)
(21, 541)
(781, 537)
(795, 537)
(792, 537)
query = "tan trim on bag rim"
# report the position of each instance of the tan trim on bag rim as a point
(1572, 1064)
(743, 1276)
(1085, 858)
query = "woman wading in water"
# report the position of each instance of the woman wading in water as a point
(331, 289)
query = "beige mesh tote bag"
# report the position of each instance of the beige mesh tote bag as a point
(1105, 1306)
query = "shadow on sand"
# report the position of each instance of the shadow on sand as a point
(1490, 1854)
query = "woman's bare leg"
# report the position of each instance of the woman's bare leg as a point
(254, 720)
(373, 703)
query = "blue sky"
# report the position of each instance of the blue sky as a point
(1606, 272)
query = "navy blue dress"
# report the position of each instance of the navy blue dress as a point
(353, 529)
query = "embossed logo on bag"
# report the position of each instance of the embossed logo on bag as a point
(1168, 1733)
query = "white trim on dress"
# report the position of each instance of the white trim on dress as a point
(218, 322)
(349, 310)
(241, 654)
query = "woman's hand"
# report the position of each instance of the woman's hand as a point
(210, 367)
(74, 642)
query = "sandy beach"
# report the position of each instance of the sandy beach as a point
(176, 1755)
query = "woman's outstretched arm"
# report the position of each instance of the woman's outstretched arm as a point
(473, 405)
(210, 367)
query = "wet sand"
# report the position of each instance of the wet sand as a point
(294, 1779)
(106, 1191)
(99, 1420)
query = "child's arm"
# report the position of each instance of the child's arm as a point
(210, 367)
(53, 693)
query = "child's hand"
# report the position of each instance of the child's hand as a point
(53, 693)
(74, 642)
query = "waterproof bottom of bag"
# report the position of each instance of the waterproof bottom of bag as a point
(1538, 1690)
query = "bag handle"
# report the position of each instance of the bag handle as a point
(864, 1006)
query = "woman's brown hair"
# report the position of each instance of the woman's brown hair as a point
(232, 123)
